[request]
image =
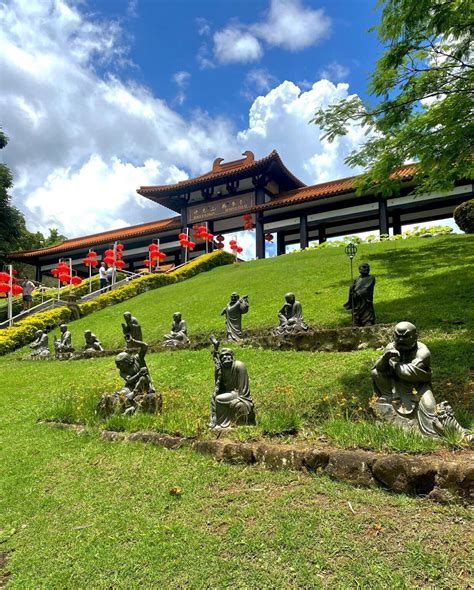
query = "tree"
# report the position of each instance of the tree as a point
(10, 217)
(424, 90)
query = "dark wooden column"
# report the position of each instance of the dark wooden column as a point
(281, 246)
(259, 229)
(38, 273)
(397, 223)
(383, 216)
(321, 234)
(304, 242)
(210, 229)
(184, 227)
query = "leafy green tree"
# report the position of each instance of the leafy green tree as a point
(10, 217)
(422, 93)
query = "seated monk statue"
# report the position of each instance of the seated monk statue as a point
(179, 332)
(40, 345)
(64, 343)
(361, 297)
(231, 401)
(92, 342)
(403, 390)
(291, 317)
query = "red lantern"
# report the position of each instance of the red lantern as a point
(109, 252)
(4, 277)
(63, 267)
(94, 263)
(88, 261)
(147, 262)
(91, 254)
(183, 236)
(161, 255)
(76, 280)
(119, 247)
(154, 254)
(17, 290)
(219, 245)
(220, 238)
(4, 288)
(119, 264)
(239, 250)
(247, 217)
(269, 237)
(153, 247)
(109, 260)
(64, 277)
(55, 272)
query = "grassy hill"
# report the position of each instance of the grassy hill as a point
(426, 281)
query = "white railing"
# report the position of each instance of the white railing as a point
(26, 312)
(124, 281)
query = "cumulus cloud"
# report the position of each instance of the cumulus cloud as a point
(181, 79)
(82, 142)
(335, 72)
(235, 45)
(288, 24)
(293, 26)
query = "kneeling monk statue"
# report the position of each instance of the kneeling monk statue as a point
(291, 317)
(403, 390)
(231, 401)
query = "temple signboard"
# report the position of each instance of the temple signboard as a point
(221, 208)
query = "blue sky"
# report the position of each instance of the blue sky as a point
(100, 97)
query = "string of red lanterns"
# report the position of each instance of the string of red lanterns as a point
(201, 233)
(5, 286)
(248, 224)
(185, 242)
(235, 247)
(219, 243)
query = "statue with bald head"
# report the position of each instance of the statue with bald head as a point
(233, 313)
(132, 330)
(291, 317)
(178, 337)
(231, 401)
(40, 345)
(403, 390)
(361, 297)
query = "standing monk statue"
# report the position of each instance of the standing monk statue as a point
(291, 316)
(132, 329)
(403, 390)
(361, 297)
(231, 402)
(233, 312)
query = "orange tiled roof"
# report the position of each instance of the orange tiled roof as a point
(221, 171)
(104, 237)
(325, 189)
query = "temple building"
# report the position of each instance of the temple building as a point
(279, 202)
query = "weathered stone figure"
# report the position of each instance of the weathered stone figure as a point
(231, 401)
(402, 385)
(92, 342)
(40, 345)
(132, 329)
(361, 297)
(63, 345)
(179, 332)
(138, 390)
(233, 312)
(291, 317)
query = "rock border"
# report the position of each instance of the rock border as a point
(420, 475)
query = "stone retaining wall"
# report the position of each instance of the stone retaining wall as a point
(428, 475)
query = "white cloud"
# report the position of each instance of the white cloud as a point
(260, 79)
(291, 25)
(181, 78)
(235, 45)
(288, 24)
(81, 143)
(335, 72)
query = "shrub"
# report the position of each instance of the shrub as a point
(464, 216)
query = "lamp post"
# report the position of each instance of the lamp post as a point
(350, 251)
(10, 295)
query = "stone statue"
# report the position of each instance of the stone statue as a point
(179, 332)
(361, 297)
(40, 345)
(92, 342)
(291, 317)
(403, 390)
(138, 390)
(231, 401)
(63, 345)
(132, 329)
(233, 312)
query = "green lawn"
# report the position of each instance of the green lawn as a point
(79, 513)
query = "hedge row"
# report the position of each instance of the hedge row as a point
(23, 332)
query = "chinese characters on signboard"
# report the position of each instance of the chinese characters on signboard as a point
(221, 208)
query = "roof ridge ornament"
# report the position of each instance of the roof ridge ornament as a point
(217, 165)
